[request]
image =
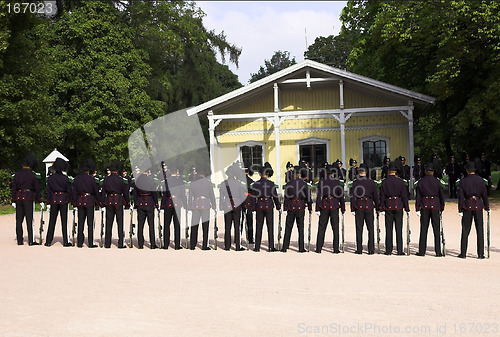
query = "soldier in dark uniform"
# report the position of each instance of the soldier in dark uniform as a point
(418, 169)
(265, 197)
(289, 172)
(85, 196)
(353, 170)
(438, 172)
(385, 168)
(25, 190)
(173, 199)
(472, 199)
(247, 206)
(297, 197)
(465, 161)
(145, 202)
(58, 195)
(115, 196)
(429, 204)
(393, 199)
(329, 199)
(364, 199)
(342, 171)
(200, 200)
(231, 198)
(323, 173)
(194, 174)
(405, 172)
(485, 171)
(453, 172)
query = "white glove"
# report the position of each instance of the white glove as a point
(285, 212)
(42, 205)
(14, 204)
(418, 213)
(489, 211)
(353, 213)
(318, 213)
(48, 207)
(162, 211)
(103, 209)
(460, 213)
(383, 213)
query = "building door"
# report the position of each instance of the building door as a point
(314, 155)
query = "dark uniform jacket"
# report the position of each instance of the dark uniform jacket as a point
(297, 195)
(485, 171)
(25, 187)
(175, 193)
(114, 191)
(453, 170)
(385, 172)
(249, 200)
(472, 194)
(418, 171)
(289, 176)
(393, 195)
(330, 195)
(353, 173)
(405, 174)
(232, 195)
(201, 195)
(364, 195)
(430, 194)
(58, 189)
(145, 194)
(85, 192)
(264, 194)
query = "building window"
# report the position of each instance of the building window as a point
(251, 154)
(375, 151)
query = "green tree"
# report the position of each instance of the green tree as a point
(447, 49)
(331, 50)
(279, 61)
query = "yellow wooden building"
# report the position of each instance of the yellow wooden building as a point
(312, 112)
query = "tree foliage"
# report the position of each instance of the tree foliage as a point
(280, 60)
(331, 50)
(446, 49)
(84, 79)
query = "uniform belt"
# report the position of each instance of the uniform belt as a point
(85, 194)
(58, 192)
(473, 197)
(202, 197)
(143, 195)
(430, 196)
(394, 198)
(264, 198)
(25, 190)
(329, 197)
(113, 194)
(365, 198)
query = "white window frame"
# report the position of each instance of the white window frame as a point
(374, 138)
(314, 141)
(252, 143)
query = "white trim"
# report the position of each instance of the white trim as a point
(307, 64)
(374, 138)
(313, 141)
(333, 129)
(251, 143)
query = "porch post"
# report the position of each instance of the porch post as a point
(211, 131)
(411, 141)
(276, 123)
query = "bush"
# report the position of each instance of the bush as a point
(5, 186)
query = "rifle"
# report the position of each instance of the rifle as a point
(442, 233)
(160, 228)
(244, 223)
(41, 227)
(187, 230)
(132, 226)
(215, 230)
(488, 233)
(309, 233)
(102, 228)
(378, 234)
(343, 246)
(408, 232)
(73, 230)
(279, 229)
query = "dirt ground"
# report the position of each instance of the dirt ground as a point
(60, 291)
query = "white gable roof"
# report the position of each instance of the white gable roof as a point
(313, 65)
(53, 156)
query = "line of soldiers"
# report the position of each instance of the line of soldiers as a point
(239, 197)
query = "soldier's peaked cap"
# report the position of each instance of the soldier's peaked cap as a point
(393, 166)
(470, 166)
(30, 160)
(429, 167)
(363, 167)
(61, 165)
(288, 165)
(266, 169)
